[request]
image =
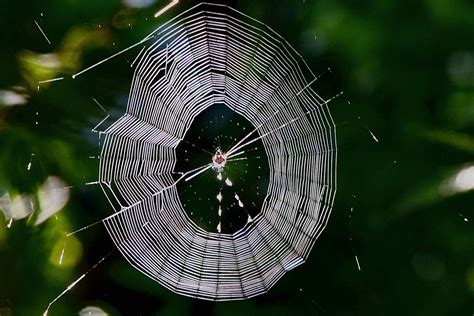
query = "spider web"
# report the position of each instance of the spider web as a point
(213, 55)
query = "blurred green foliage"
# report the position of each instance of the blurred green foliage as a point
(407, 71)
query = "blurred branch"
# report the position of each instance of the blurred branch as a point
(457, 140)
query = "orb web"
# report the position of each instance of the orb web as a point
(214, 56)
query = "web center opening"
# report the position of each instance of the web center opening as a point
(227, 185)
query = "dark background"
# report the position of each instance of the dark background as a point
(407, 72)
